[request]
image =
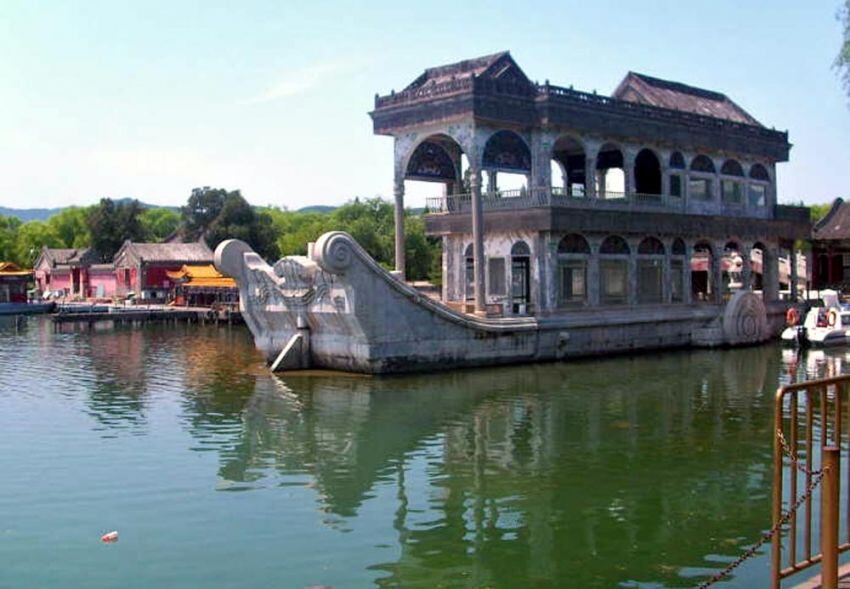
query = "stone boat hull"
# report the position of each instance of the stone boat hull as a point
(338, 309)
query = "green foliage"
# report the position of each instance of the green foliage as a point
(71, 227)
(202, 209)
(819, 211)
(159, 223)
(371, 223)
(8, 238)
(842, 60)
(111, 224)
(31, 237)
(216, 214)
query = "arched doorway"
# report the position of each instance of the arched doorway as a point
(610, 172)
(569, 160)
(520, 278)
(650, 264)
(647, 173)
(702, 272)
(507, 162)
(573, 256)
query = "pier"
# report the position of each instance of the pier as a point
(92, 314)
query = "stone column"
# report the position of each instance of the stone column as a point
(665, 182)
(398, 192)
(717, 273)
(667, 274)
(477, 238)
(590, 154)
(770, 277)
(792, 259)
(593, 295)
(631, 274)
(688, 294)
(746, 268)
(629, 172)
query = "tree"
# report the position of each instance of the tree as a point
(111, 224)
(158, 223)
(842, 61)
(31, 237)
(202, 209)
(71, 227)
(8, 237)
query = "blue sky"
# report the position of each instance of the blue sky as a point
(150, 99)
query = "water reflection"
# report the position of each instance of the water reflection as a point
(645, 470)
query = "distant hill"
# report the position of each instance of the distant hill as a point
(44, 214)
(316, 209)
(29, 214)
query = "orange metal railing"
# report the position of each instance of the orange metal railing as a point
(808, 449)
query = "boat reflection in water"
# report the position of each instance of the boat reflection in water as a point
(649, 470)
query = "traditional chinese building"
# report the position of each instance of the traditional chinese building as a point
(13, 283)
(831, 248)
(555, 200)
(143, 268)
(201, 285)
(74, 272)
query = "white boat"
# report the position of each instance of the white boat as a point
(827, 325)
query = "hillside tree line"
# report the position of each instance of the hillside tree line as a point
(216, 214)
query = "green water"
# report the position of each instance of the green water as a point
(645, 471)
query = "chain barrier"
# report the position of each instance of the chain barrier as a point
(816, 478)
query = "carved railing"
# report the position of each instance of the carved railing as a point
(556, 197)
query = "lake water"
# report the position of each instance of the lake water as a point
(642, 471)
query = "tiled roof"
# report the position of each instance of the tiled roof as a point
(68, 256)
(467, 68)
(201, 276)
(836, 223)
(170, 252)
(677, 96)
(12, 269)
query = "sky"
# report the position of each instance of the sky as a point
(151, 99)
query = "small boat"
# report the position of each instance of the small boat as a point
(827, 325)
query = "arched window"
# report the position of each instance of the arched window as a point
(650, 264)
(573, 244)
(651, 246)
(732, 168)
(759, 172)
(573, 253)
(757, 194)
(732, 191)
(647, 172)
(702, 163)
(701, 188)
(677, 271)
(677, 160)
(614, 271)
(614, 244)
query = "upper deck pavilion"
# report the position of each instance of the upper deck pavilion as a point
(654, 146)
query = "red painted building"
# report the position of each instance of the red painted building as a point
(13, 283)
(831, 249)
(73, 273)
(142, 268)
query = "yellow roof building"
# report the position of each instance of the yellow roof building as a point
(201, 276)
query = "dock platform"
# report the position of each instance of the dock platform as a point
(143, 314)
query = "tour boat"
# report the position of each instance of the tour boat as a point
(826, 325)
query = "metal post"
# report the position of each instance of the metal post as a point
(829, 509)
